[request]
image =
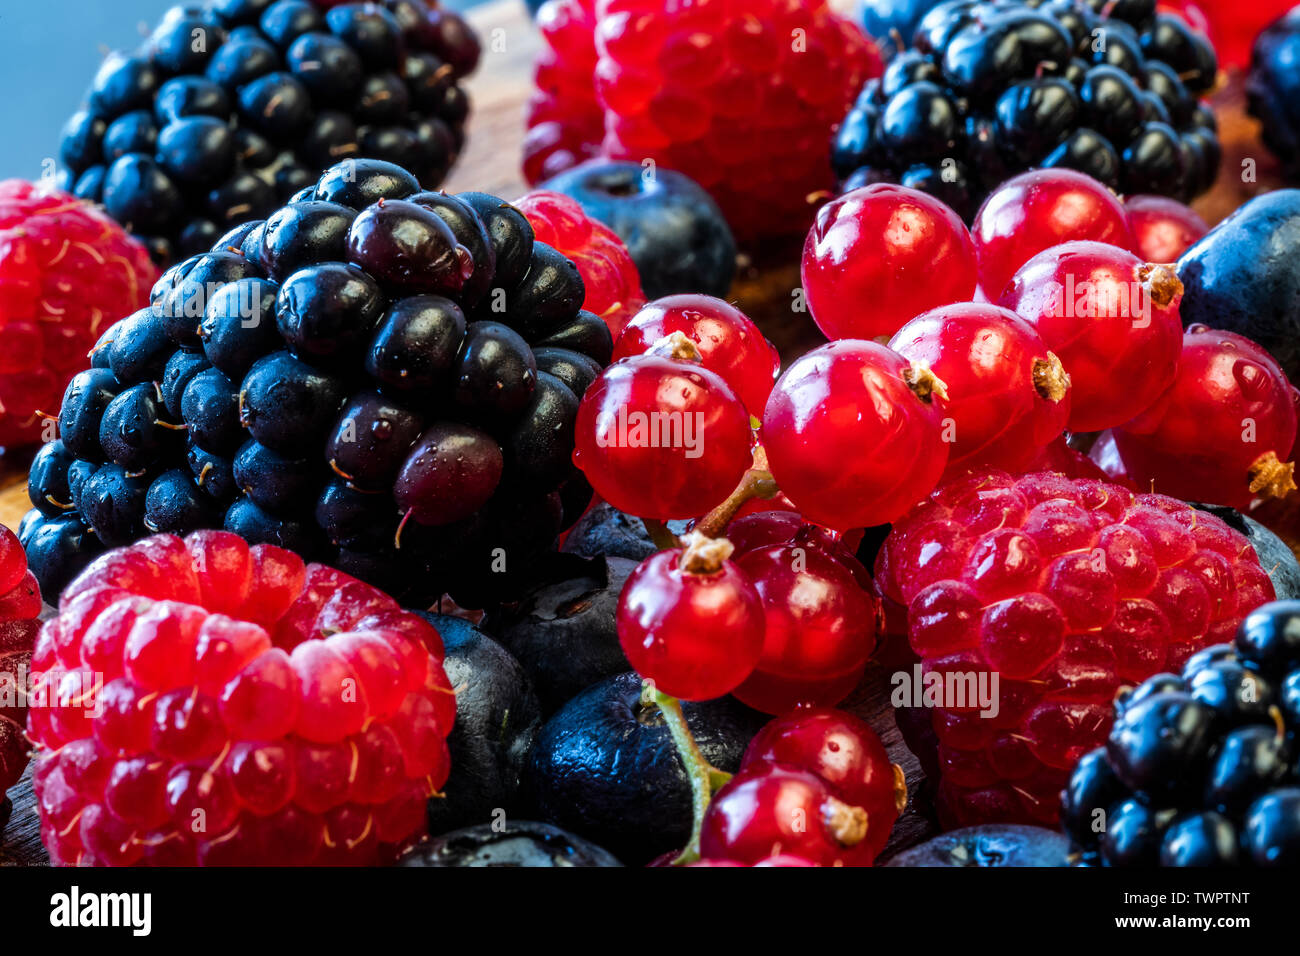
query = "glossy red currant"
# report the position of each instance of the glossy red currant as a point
(777, 810)
(661, 437)
(1223, 433)
(729, 343)
(854, 434)
(691, 621)
(1037, 210)
(1008, 395)
(845, 752)
(1111, 319)
(820, 627)
(880, 255)
(1163, 228)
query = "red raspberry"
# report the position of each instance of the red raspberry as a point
(212, 703)
(67, 272)
(1065, 589)
(20, 606)
(741, 97)
(607, 270)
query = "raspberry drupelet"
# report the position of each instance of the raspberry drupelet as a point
(1066, 590)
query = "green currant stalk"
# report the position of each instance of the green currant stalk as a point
(705, 778)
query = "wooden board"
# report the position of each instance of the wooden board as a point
(764, 289)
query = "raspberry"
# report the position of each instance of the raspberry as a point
(611, 277)
(66, 271)
(212, 703)
(742, 98)
(1066, 589)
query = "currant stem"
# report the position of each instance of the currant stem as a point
(660, 536)
(704, 777)
(757, 482)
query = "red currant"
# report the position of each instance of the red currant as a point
(778, 810)
(1112, 319)
(845, 752)
(820, 627)
(1037, 210)
(661, 437)
(1223, 432)
(729, 343)
(1008, 395)
(691, 621)
(853, 434)
(880, 255)
(1163, 228)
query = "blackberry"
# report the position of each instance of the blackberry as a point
(1202, 768)
(383, 379)
(228, 109)
(991, 88)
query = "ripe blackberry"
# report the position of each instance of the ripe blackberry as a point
(228, 109)
(379, 378)
(990, 89)
(1200, 768)
(209, 703)
(1066, 589)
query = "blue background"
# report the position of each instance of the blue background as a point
(49, 51)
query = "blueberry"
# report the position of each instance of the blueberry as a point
(674, 231)
(564, 633)
(992, 845)
(1240, 276)
(497, 721)
(517, 843)
(605, 763)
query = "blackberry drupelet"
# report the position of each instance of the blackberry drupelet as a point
(229, 108)
(990, 89)
(378, 378)
(1201, 768)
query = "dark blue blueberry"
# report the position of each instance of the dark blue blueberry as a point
(675, 232)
